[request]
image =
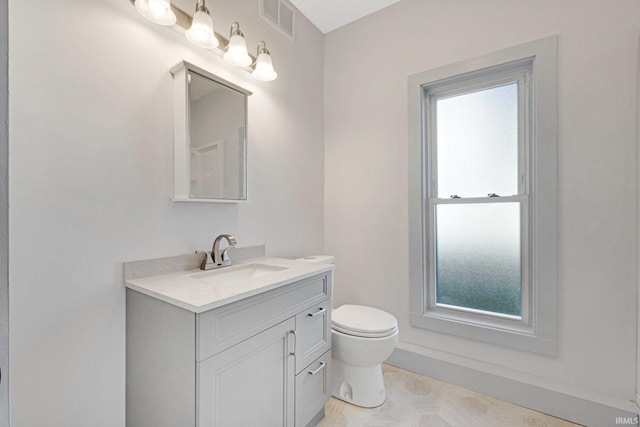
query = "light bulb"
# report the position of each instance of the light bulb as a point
(158, 8)
(264, 67)
(201, 32)
(236, 53)
(158, 11)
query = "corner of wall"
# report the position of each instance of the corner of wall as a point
(638, 236)
(4, 215)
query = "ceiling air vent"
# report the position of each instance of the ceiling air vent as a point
(280, 14)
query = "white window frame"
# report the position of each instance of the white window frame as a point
(518, 72)
(534, 66)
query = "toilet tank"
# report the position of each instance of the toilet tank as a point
(326, 259)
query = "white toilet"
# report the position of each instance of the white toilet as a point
(362, 338)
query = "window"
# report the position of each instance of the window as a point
(482, 198)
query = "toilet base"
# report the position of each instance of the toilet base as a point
(359, 385)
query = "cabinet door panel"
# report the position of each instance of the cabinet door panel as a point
(249, 384)
(313, 328)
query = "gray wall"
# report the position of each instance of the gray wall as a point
(91, 173)
(366, 178)
(4, 225)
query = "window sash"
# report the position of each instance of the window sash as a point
(432, 93)
(492, 319)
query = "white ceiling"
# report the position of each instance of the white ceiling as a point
(328, 15)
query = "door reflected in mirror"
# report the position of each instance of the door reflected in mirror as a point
(217, 137)
(209, 137)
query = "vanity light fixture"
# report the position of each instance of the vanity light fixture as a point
(236, 53)
(158, 11)
(263, 68)
(201, 32)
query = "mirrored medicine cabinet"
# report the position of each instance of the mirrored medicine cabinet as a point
(210, 137)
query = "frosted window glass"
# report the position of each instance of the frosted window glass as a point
(477, 143)
(478, 257)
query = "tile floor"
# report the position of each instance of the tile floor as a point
(417, 401)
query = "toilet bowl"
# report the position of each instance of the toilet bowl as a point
(362, 338)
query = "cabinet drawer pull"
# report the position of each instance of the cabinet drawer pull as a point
(317, 313)
(295, 343)
(318, 369)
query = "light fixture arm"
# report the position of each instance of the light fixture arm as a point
(201, 7)
(235, 30)
(262, 48)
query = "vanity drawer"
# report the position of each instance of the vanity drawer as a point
(312, 389)
(220, 328)
(313, 333)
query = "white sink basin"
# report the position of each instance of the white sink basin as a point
(242, 276)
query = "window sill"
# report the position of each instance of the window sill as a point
(506, 334)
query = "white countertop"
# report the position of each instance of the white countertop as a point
(193, 290)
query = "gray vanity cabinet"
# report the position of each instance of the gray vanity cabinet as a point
(260, 361)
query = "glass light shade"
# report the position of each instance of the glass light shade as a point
(264, 68)
(158, 11)
(236, 53)
(201, 31)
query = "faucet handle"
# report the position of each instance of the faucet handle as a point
(207, 262)
(225, 255)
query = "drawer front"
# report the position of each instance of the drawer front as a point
(313, 333)
(220, 328)
(312, 389)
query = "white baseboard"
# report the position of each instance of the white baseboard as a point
(561, 405)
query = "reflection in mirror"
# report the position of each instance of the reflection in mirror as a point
(216, 146)
(209, 137)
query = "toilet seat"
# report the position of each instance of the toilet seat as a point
(364, 334)
(363, 321)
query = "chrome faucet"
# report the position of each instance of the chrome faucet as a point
(215, 259)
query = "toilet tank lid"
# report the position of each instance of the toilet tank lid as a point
(326, 259)
(360, 318)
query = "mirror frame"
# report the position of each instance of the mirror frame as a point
(181, 165)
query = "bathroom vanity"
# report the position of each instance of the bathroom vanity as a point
(246, 345)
